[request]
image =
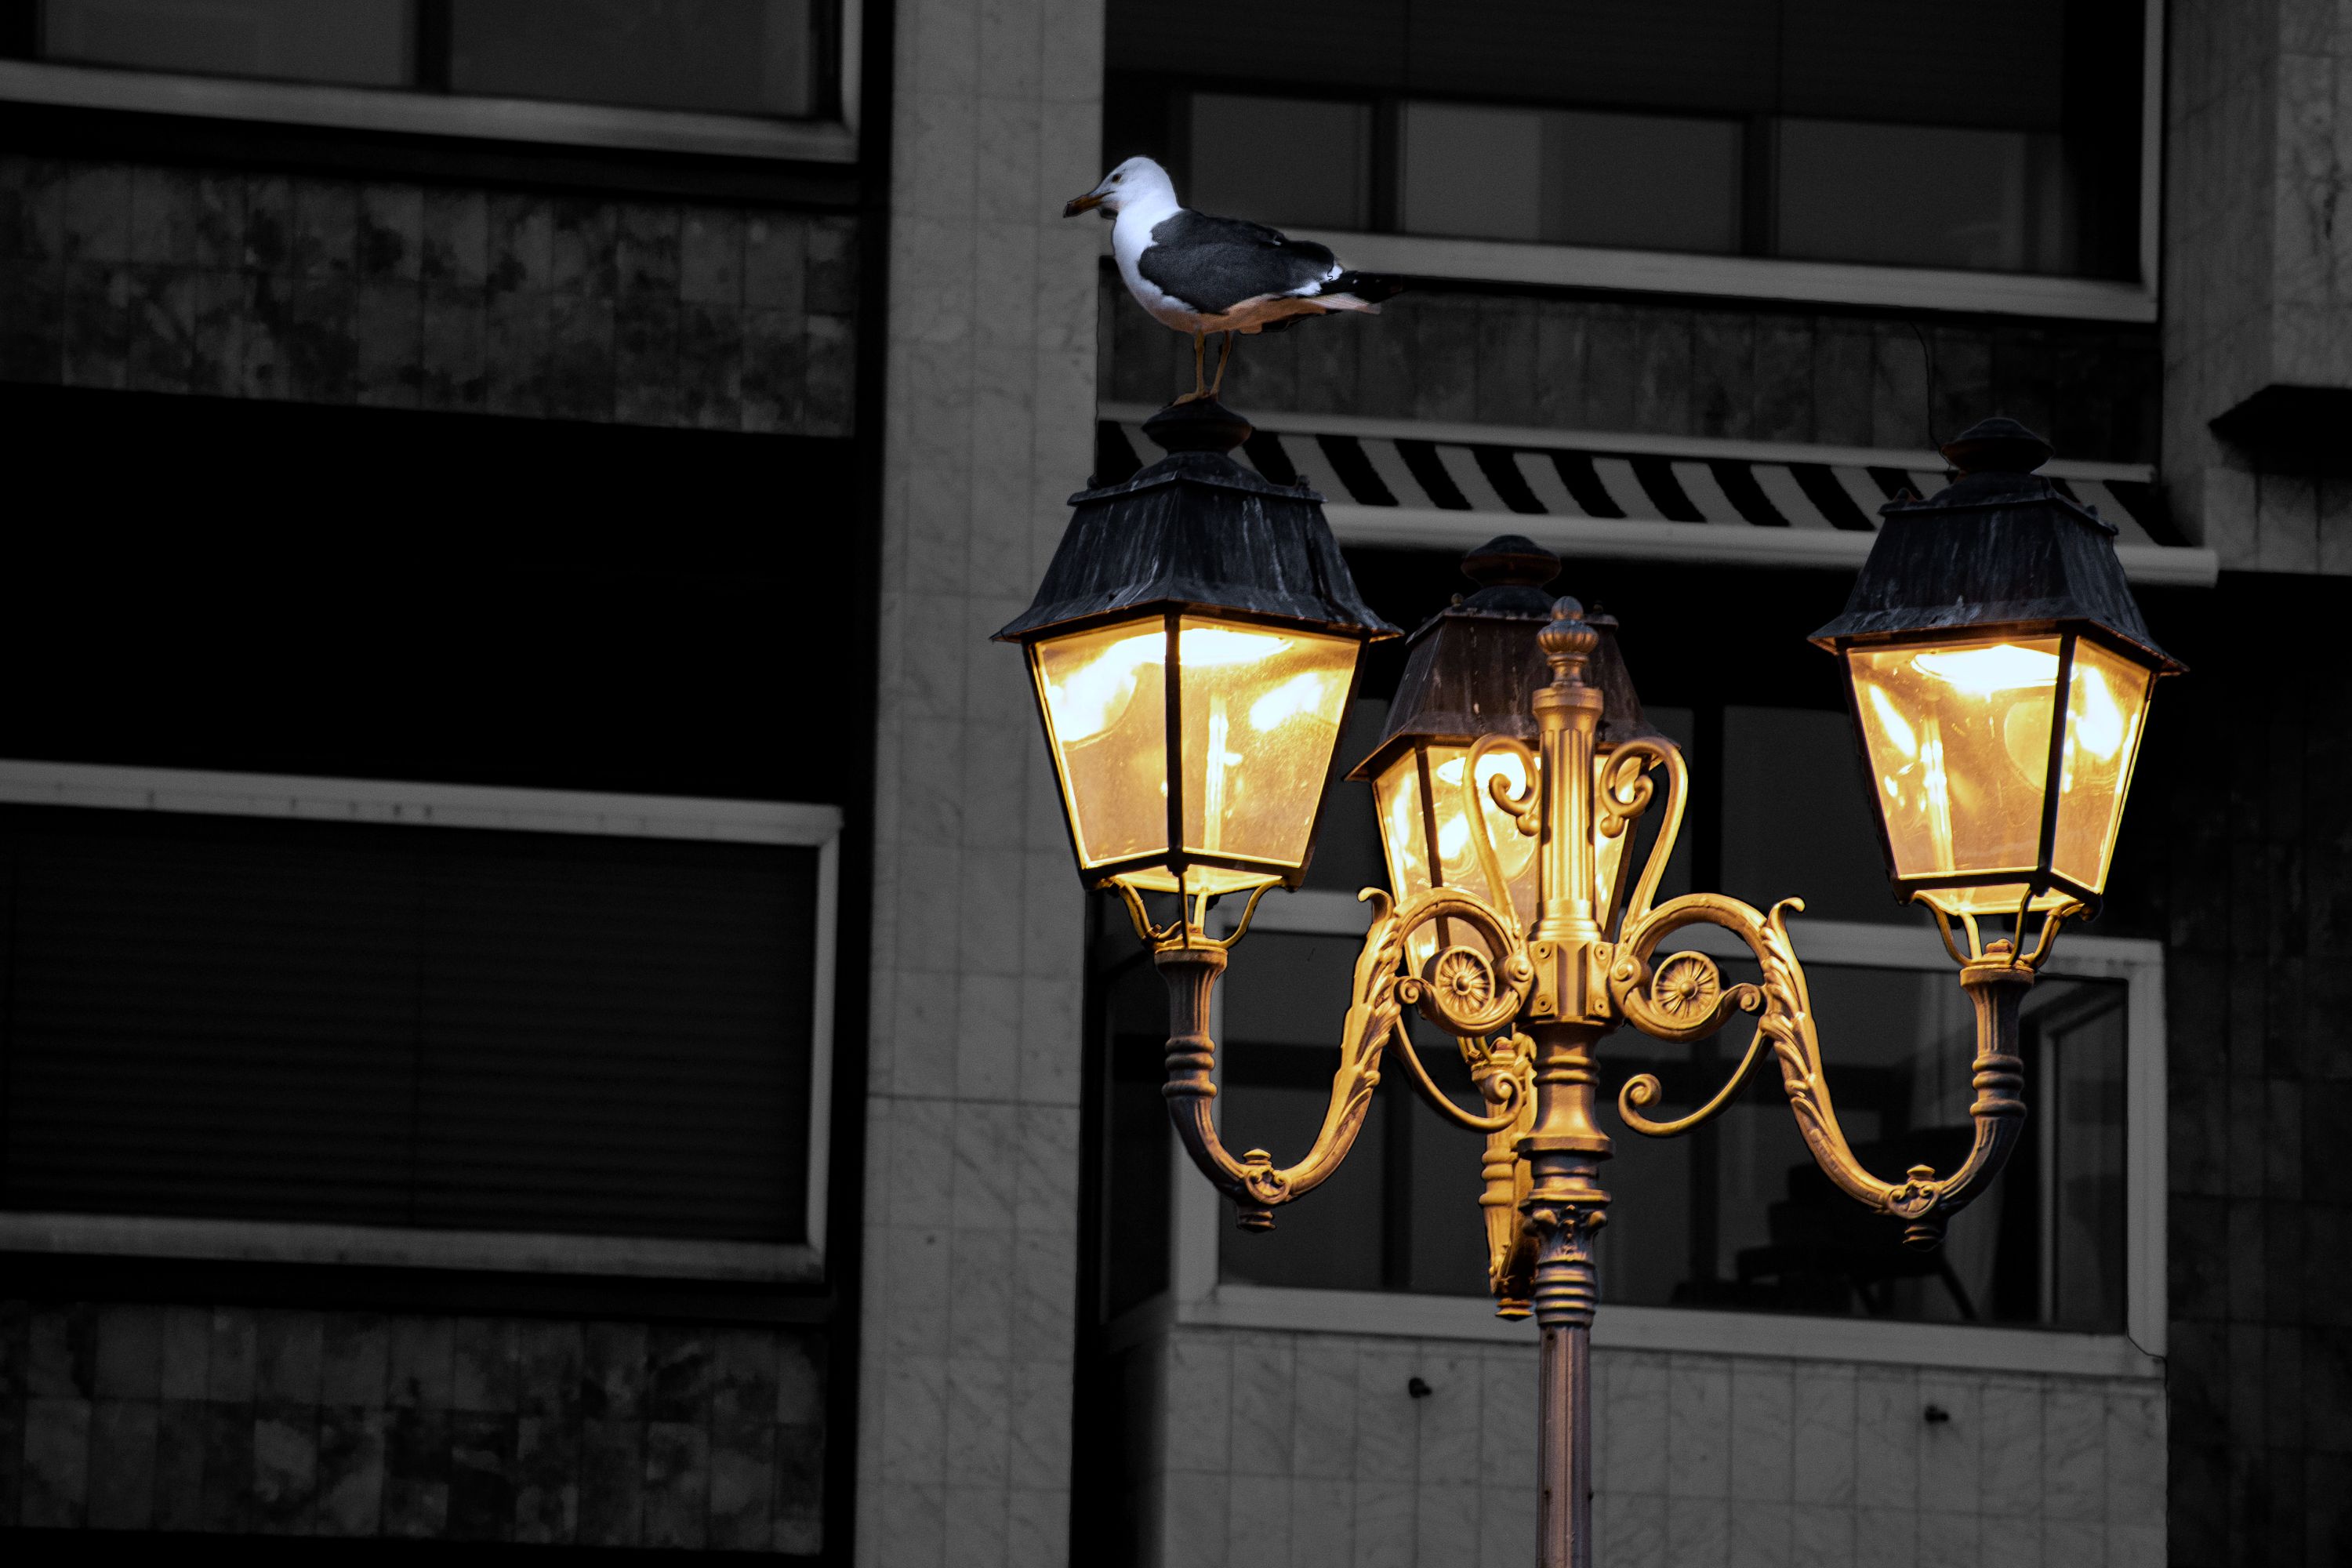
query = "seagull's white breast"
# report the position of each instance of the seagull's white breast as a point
(1130, 236)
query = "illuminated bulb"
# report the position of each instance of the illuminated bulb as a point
(2099, 725)
(1299, 694)
(1982, 671)
(1453, 837)
(1095, 696)
(1221, 644)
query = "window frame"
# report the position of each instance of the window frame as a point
(1197, 1297)
(401, 804)
(414, 112)
(1869, 285)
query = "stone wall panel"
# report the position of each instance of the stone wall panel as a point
(242, 284)
(351, 1424)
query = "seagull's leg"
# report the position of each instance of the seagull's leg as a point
(1223, 355)
(1200, 346)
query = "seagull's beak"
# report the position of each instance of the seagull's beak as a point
(1086, 202)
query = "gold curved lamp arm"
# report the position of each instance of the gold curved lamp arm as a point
(1684, 998)
(1463, 992)
(1624, 795)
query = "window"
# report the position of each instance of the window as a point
(367, 43)
(729, 56)
(1570, 176)
(2001, 138)
(753, 77)
(415, 1013)
(1325, 179)
(726, 57)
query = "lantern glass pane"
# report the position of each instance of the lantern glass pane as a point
(1403, 838)
(1105, 710)
(1262, 710)
(1958, 741)
(1396, 790)
(2105, 706)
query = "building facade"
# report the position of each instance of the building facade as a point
(545, 998)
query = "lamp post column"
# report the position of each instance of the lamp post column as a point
(1567, 1013)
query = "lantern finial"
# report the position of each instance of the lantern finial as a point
(1997, 446)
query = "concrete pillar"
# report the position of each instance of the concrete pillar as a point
(972, 1178)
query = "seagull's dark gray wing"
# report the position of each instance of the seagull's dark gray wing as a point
(1213, 264)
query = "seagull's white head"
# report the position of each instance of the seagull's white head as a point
(1138, 183)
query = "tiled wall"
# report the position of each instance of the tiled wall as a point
(244, 284)
(2251, 866)
(1307, 1450)
(971, 1235)
(220, 1418)
(2257, 266)
(1735, 372)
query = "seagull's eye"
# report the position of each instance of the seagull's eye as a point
(1117, 178)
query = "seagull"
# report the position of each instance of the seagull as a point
(1202, 274)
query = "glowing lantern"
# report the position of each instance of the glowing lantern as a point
(2001, 676)
(1194, 648)
(1469, 674)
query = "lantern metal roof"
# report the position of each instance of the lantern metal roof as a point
(1476, 663)
(1999, 548)
(1197, 530)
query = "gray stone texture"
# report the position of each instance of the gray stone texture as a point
(234, 283)
(486, 1429)
(1734, 372)
(1272, 1447)
(972, 1168)
(2251, 873)
(2257, 266)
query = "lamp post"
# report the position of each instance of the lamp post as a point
(2000, 676)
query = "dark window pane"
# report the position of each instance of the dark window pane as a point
(1359, 42)
(730, 57)
(1402, 1212)
(1347, 841)
(249, 1018)
(1473, 171)
(1923, 195)
(1658, 54)
(1645, 180)
(1737, 1215)
(1572, 176)
(362, 42)
(1303, 162)
(1940, 62)
(1798, 764)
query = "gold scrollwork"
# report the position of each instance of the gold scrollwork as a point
(1623, 794)
(1464, 990)
(1994, 982)
(1787, 1025)
(1470, 996)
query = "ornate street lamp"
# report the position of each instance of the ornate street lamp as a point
(2000, 675)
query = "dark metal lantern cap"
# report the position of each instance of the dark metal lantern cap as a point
(1197, 530)
(2000, 547)
(1998, 445)
(1475, 664)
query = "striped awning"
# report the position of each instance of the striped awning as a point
(1405, 485)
